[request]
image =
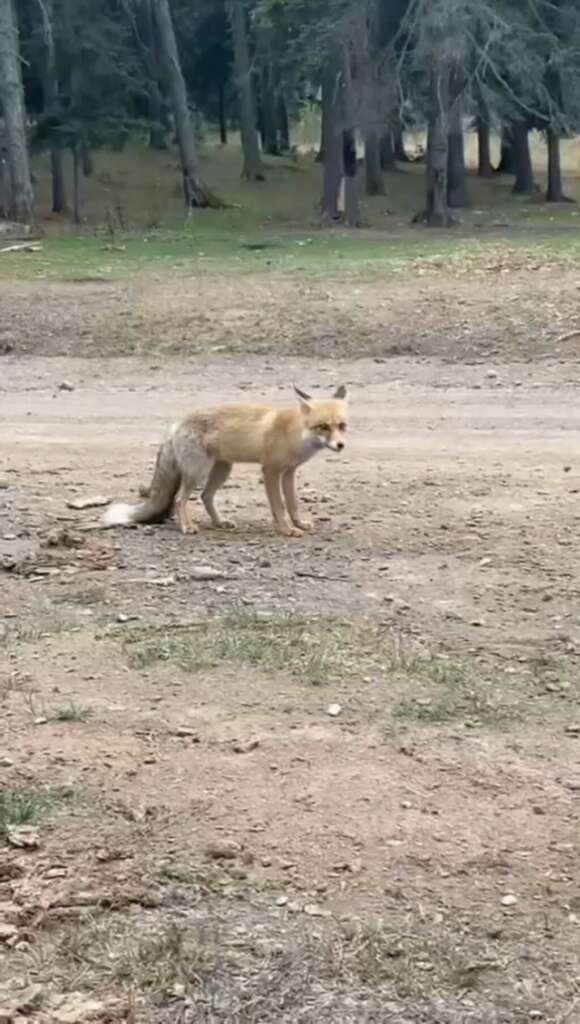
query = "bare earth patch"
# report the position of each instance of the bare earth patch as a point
(339, 780)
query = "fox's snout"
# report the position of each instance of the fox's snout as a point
(334, 445)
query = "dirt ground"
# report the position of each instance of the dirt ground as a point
(385, 829)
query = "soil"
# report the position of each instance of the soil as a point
(449, 525)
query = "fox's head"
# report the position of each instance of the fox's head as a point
(325, 419)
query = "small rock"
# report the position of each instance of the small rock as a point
(94, 502)
(4, 484)
(7, 931)
(245, 747)
(509, 900)
(492, 374)
(40, 720)
(333, 710)
(313, 910)
(202, 573)
(281, 901)
(6, 762)
(572, 783)
(187, 733)
(23, 837)
(75, 1008)
(223, 849)
(65, 385)
(572, 730)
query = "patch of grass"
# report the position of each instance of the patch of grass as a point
(25, 806)
(252, 968)
(447, 691)
(310, 649)
(73, 713)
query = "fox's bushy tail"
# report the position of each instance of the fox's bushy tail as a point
(159, 496)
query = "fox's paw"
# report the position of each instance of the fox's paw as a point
(224, 524)
(304, 525)
(285, 530)
(188, 528)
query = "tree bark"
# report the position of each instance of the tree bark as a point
(269, 112)
(196, 192)
(484, 167)
(554, 192)
(524, 183)
(221, 91)
(76, 158)
(52, 106)
(437, 213)
(88, 164)
(507, 163)
(253, 169)
(374, 184)
(399, 144)
(12, 103)
(457, 195)
(283, 123)
(331, 143)
(349, 160)
(387, 151)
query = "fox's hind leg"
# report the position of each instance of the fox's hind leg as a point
(182, 506)
(220, 472)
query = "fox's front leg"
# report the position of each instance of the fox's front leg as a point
(289, 490)
(272, 483)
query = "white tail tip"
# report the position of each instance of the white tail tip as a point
(118, 515)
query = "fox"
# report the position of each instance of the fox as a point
(201, 450)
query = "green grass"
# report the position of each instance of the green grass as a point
(72, 713)
(215, 244)
(25, 807)
(313, 650)
(135, 222)
(416, 685)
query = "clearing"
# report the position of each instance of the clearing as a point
(190, 830)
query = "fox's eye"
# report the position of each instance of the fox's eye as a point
(342, 427)
(324, 427)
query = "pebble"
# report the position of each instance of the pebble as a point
(223, 849)
(65, 385)
(509, 900)
(333, 710)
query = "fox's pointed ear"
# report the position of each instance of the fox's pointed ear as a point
(303, 398)
(340, 392)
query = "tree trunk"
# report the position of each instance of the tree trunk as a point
(283, 123)
(253, 169)
(456, 178)
(57, 179)
(399, 144)
(87, 159)
(157, 129)
(374, 184)
(507, 162)
(221, 91)
(349, 160)
(437, 213)
(484, 167)
(147, 46)
(387, 151)
(351, 194)
(331, 143)
(76, 157)
(12, 103)
(554, 192)
(195, 190)
(52, 106)
(524, 183)
(269, 112)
